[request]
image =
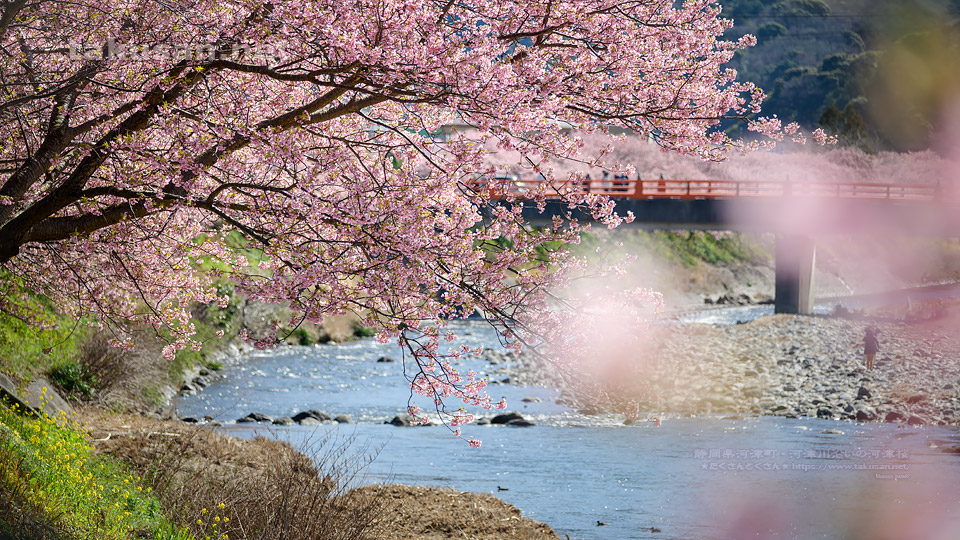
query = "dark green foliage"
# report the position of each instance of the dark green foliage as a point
(890, 67)
(300, 336)
(809, 7)
(73, 379)
(770, 30)
(853, 39)
(743, 8)
(835, 62)
(360, 330)
(208, 320)
(780, 69)
(848, 126)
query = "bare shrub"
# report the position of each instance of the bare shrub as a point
(120, 376)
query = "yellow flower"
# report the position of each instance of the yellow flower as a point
(199, 522)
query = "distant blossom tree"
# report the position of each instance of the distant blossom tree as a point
(136, 135)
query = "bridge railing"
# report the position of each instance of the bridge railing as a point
(711, 189)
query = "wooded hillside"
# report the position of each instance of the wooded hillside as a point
(879, 74)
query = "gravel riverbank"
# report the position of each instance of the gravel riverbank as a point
(788, 365)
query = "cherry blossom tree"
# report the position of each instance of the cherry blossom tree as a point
(138, 135)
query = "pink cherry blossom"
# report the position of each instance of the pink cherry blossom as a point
(302, 147)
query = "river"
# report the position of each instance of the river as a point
(823, 306)
(690, 478)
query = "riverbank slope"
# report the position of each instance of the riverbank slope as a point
(260, 480)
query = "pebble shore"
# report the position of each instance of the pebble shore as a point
(794, 366)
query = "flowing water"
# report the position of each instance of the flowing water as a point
(823, 306)
(690, 478)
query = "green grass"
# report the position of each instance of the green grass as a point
(30, 348)
(301, 336)
(690, 248)
(208, 320)
(47, 467)
(362, 331)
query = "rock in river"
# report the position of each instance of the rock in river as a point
(254, 417)
(404, 420)
(506, 418)
(312, 413)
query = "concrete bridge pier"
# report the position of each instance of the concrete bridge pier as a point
(795, 260)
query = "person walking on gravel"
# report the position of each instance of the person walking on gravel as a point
(870, 346)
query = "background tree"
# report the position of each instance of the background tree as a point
(138, 136)
(892, 63)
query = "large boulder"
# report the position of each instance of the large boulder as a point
(9, 395)
(403, 420)
(894, 417)
(312, 413)
(254, 417)
(506, 418)
(40, 396)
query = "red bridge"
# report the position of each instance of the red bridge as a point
(716, 189)
(796, 211)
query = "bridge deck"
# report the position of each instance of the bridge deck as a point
(717, 189)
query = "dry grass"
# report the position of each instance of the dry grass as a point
(218, 485)
(270, 490)
(340, 327)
